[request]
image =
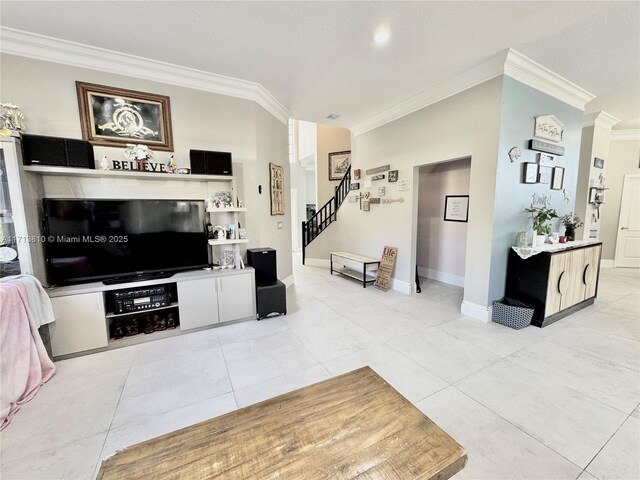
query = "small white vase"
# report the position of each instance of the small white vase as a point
(538, 240)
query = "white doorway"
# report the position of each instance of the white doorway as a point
(628, 235)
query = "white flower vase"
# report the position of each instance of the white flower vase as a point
(538, 240)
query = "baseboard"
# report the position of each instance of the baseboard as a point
(606, 263)
(289, 281)
(443, 277)
(317, 262)
(400, 286)
(473, 310)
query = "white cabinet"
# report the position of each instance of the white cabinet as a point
(198, 302)
(80, 324)
(235, 297)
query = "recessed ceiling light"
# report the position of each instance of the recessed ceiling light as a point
(333, 116)
(381, 37)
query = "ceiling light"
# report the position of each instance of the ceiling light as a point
(381, 37)
(333, 116)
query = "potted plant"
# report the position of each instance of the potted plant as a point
(571, 221)
(540, 216)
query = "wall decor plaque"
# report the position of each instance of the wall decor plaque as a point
(403, 185)
(393, 176)
(598, 162)
(113, 117)
(354, 186)
(381, 191)
(541, 146)
(540, 200)
(546, 159)
(530, 172)
(365, 205)
(549, 127)
(374, 201)
(384, 168)
(276, 178)
(387, 262)
(378, 177)
(557, 179)
(356, 174)
(544, 175)
(456, 208)
(339, 162)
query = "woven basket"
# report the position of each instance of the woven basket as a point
(511, 316)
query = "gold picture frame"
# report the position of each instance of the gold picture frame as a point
(276, 181)
(115, 117)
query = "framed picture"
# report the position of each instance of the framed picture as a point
(276, 180)
(546, 159)
(114, 117)
(456, 208)
(557, 181)
(356, 174)
(354, 186)
(598, 162)
(529, 172)
(393, 176)
(365, 206)
(338, 164)
(544, 175)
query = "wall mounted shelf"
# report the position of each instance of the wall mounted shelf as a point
(89, 173)
(228, 242)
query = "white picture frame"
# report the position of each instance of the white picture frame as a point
(456, 208)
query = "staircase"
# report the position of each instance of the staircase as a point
(326, 215)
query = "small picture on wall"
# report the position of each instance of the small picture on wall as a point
(365, 206)
(381, 191)
(558, 178)
(529, 172)
(598, 162)
(393, 176)
(456, 208)
(546, 159)
(356, 174)
(354, 186)
(339, 162)
(544, 175)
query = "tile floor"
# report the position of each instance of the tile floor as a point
(553, 403)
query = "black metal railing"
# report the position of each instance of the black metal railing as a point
(326, 215)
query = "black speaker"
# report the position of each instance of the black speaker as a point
(263, 260)
(61, 152)
(271, 299)
(210, 163)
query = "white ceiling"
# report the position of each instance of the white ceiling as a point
(317, 57)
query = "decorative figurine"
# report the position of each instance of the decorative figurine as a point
(169, 164)
(11, 117)
(104, 163)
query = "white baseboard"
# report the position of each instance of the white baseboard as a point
(473, 310)
(289, 281)
(402, 287)
(317, 262)
(606, 263)
(443, 277)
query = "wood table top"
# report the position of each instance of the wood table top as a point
(351, 426)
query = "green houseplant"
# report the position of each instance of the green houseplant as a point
(540, 217)
(571, 221)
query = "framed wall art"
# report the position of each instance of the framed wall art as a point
(598, 162)
(338, 164)
(456, 208)
(114, 117)
(557, 179)
(393, 176)
(544, 175)
(529, 172)
(276, 179)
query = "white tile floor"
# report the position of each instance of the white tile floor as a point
(553, 403)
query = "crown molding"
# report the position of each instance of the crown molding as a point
(507, 62)
(531, 73)
(48, 49)
(599, 119)
(624, 135)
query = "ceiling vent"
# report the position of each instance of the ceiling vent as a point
(333, 116)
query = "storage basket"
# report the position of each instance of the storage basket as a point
(512, 313)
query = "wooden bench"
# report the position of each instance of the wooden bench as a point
(351, 426)
(354, 266)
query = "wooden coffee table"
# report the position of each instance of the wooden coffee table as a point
(351, 426)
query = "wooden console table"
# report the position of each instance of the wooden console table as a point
(354, 266)
(351, 426)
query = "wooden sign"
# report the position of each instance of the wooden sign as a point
(387, 262)
(384, 168)
(374, 201)
(549, 127)
(378, 177)
(546, 147)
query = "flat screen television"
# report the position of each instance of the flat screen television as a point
(121, 240)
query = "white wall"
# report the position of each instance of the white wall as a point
(624, 157)
(330, 139)
(441, 246)
(46, 92)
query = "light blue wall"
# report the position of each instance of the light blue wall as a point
(520, 105)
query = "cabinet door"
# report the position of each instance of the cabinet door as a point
(558, 284)
(80, 324)
(236, 297)
(591, 270)
(197, 303)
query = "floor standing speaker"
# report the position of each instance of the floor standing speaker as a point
(263, 261)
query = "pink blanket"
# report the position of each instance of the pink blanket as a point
(24, 363)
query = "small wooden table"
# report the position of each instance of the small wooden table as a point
(354, 266)
(352, 426)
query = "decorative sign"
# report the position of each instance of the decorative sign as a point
(598, 162)
(549, 127)
(365, 195)
(514, 154)
(387, 262)
(378, 177)
(540, 200)
(144, 166)
(365, 206)
(393, 176)
(456, 208)
(540, 146)
(403, 185)
(381, 191)
(276, 177)
(392, 200)
(530, 172)
(544, 175)
(548, 160)
(384, 168)
(557, 180)
(354, 186)
(356, 174)
(374, 201)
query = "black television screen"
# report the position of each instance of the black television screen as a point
(89, 240)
